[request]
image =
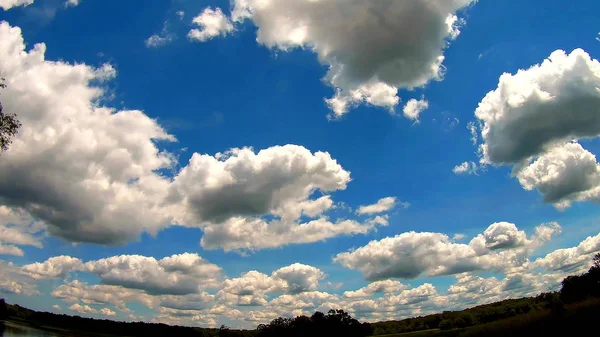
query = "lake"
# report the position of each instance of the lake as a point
(12, 329)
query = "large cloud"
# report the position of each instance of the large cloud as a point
(89, 172)
(409, 255)
(537, 108)
(372, 48)
(241, 182)
(229, 193)
(533, 119)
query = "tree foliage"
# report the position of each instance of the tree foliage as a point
(335, 323)
(9, 125)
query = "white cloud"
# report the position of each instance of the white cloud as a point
(13, 282)
(162, 39)
(158, 41)
(474, 132)
(564, 174)
(176, 275)
(72, 3)
(180, 14)
(76, 291)
(251, 288)
(8, 4)
(571, 260)
(17, 228)
(378, 287)
(107, 312)
(108, 190)
(458, 237)
(57, 307)
(537, 108)
(409, 255)
(368, 61)
(413, 108)
(54, 267)
(212, 23)
(299, 278)
(252, 234)
(383, 205)
(83, 309)
(228, 194)
(466, 168)
(500, 235)
(533, 120)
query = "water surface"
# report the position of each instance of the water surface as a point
(12, 329)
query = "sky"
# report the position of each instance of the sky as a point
(208, 162)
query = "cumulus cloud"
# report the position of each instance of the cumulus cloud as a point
(72, 3)
(562, 175)
(383, 205)
(572, 260)
(212, 23)
(368, 61)
(413, 108)
(537, 108)
(176, 275)
(466, 168)
(409, 255)
(533, 120)
(8, 4)
(17, 228)
(228, 194)
(89, 172)
(500, 235)
(76, 291)
(13, 282)
(107, 312)
(54, 267)
(83, 309)
(378, 287)
(299, 277)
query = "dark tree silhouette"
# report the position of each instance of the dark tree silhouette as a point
(9, 125)
(582, 287)
(3, 310)
(335, 323)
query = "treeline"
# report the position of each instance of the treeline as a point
(335, 323)
(574, 289)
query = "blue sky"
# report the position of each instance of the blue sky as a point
(232, 88)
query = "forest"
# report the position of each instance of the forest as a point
(570, 311)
